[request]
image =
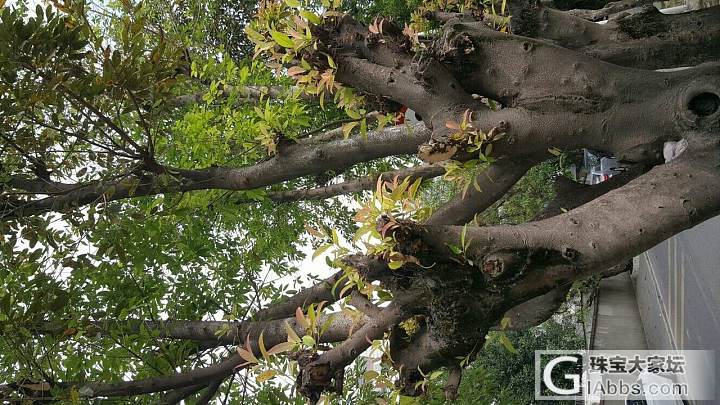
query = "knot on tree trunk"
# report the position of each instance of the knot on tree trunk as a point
(434, 152)
(454, 45)
(461, 141)
(503, 266)
(315, 378)
(385, 32)
(343, 36)
(407, 235)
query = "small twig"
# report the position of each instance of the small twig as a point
(143, 122)
(110, 123)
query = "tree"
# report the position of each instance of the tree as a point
(151, 181)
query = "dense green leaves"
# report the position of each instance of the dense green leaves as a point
(85, 94)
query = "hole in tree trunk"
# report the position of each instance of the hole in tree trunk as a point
(704, 104)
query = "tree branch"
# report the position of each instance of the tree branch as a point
(382, 64)
(453, 383)
(296, 161)
(501, 267)
(317, 372)
(175, 396)
(608, 10)
(322, 291)
(214, 333)
(356, 185)
(494, 182)
(210, 392)
(339, 326)
(587, 239)
(643, 38)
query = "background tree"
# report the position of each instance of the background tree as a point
(158, 188)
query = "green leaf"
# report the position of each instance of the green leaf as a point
(363, 127)
(308, 340)
(370, 375)
(347, 128)
(253, 35)
(282, 39)
(320, 250)
(261, 345)
(354, 114)
(311, 315)
(310, 16)
(384, 295)
(404, 400)
(507, 343)
(265, 375)
(292, 336)
(345, 289)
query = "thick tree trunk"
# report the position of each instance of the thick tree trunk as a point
(642, 38)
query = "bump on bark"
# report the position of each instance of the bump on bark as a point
(312, 378)
(504, 265)
(524, 21)
(455, 45)
(647, 23)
